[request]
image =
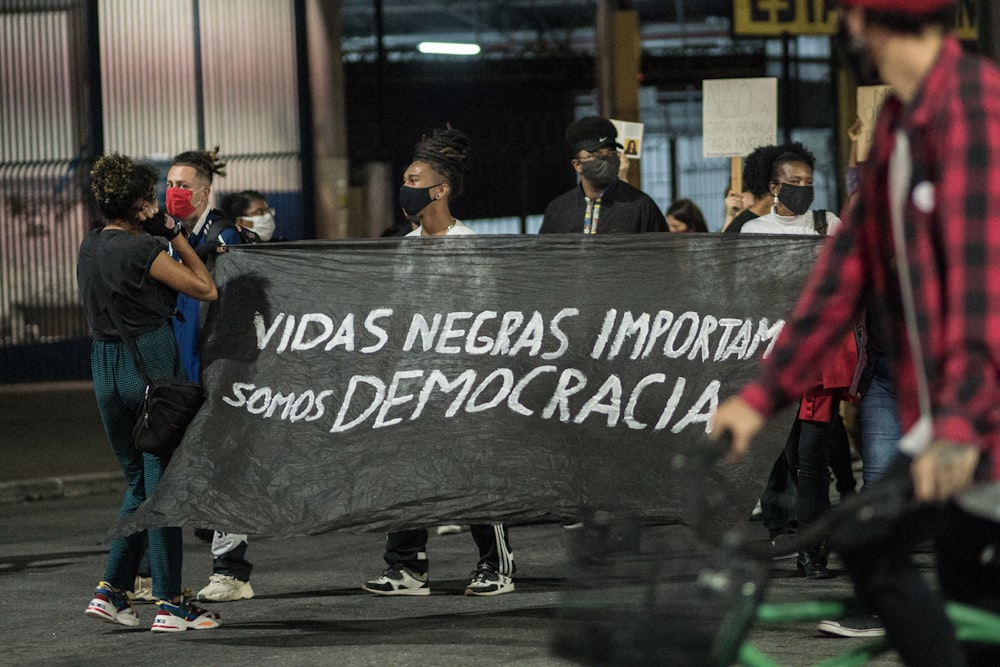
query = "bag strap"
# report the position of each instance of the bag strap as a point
(218, 226)
(819, 221)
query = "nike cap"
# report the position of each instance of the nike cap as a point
(590, 134)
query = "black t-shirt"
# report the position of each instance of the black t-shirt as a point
(120, 261)
(624, 210)
(743, 218)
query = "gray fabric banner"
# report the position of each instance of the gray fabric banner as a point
(371, 385)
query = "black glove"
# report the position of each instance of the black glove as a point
(248, 235)
(207, 250)
(162, 225)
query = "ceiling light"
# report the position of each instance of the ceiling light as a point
(448, 48)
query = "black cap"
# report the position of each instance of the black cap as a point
(591, 133)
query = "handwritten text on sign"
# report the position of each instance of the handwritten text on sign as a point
(738, 115)
(408, 393)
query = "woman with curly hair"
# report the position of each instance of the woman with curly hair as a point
(434, 178)
(124, 267)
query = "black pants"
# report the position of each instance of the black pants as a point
(408, 548)
(877, 554)
(809, 453)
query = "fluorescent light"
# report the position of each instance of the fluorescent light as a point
(448, 48)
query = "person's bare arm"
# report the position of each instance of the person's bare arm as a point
(188, 276)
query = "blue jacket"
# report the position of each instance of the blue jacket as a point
(187, 324)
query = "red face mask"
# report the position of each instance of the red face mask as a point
(179, 203)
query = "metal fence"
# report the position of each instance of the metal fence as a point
(152, 78)
(148, 78)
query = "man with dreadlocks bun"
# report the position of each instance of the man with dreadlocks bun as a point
(431, 181)
(189, 184)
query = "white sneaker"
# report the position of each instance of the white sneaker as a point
(223, 588)
(487, 581)
(449, 530)
(398, 581)
(863, 626)
(142, 589)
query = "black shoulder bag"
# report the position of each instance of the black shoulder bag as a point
(170, 403)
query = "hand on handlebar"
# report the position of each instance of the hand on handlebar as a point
(740, 422)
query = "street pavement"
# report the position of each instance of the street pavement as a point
(59, 493)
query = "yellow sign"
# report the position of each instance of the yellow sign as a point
(772, 18)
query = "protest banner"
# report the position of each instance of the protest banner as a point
(383, 384)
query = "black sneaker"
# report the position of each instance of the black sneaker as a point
(856, 626)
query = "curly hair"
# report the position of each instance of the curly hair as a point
(447, 151)
(119, 183)
(206, 163)
(757, 170)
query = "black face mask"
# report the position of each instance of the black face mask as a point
(796, 198)
(602, 171)
(414, 200)
(853, 58)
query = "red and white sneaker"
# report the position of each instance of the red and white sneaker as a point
(172, 617)
(111, 606)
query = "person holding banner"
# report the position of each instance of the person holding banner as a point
(602, 203)
(127, 279)
(434, 178)
(253, 217)
(189, 184)
(921, 246)
(230, 578)
(811, 439)
(790, 176)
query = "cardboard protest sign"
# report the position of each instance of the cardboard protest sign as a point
(738, 115)
(870, 100)
(382, 384)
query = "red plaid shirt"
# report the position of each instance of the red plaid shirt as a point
(953, 249)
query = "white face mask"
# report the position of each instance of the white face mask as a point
(262, 225)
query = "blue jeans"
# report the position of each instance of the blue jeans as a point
(880, 430)
(119, 389)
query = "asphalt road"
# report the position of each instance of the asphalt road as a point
(59, 491)
(309, 609)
